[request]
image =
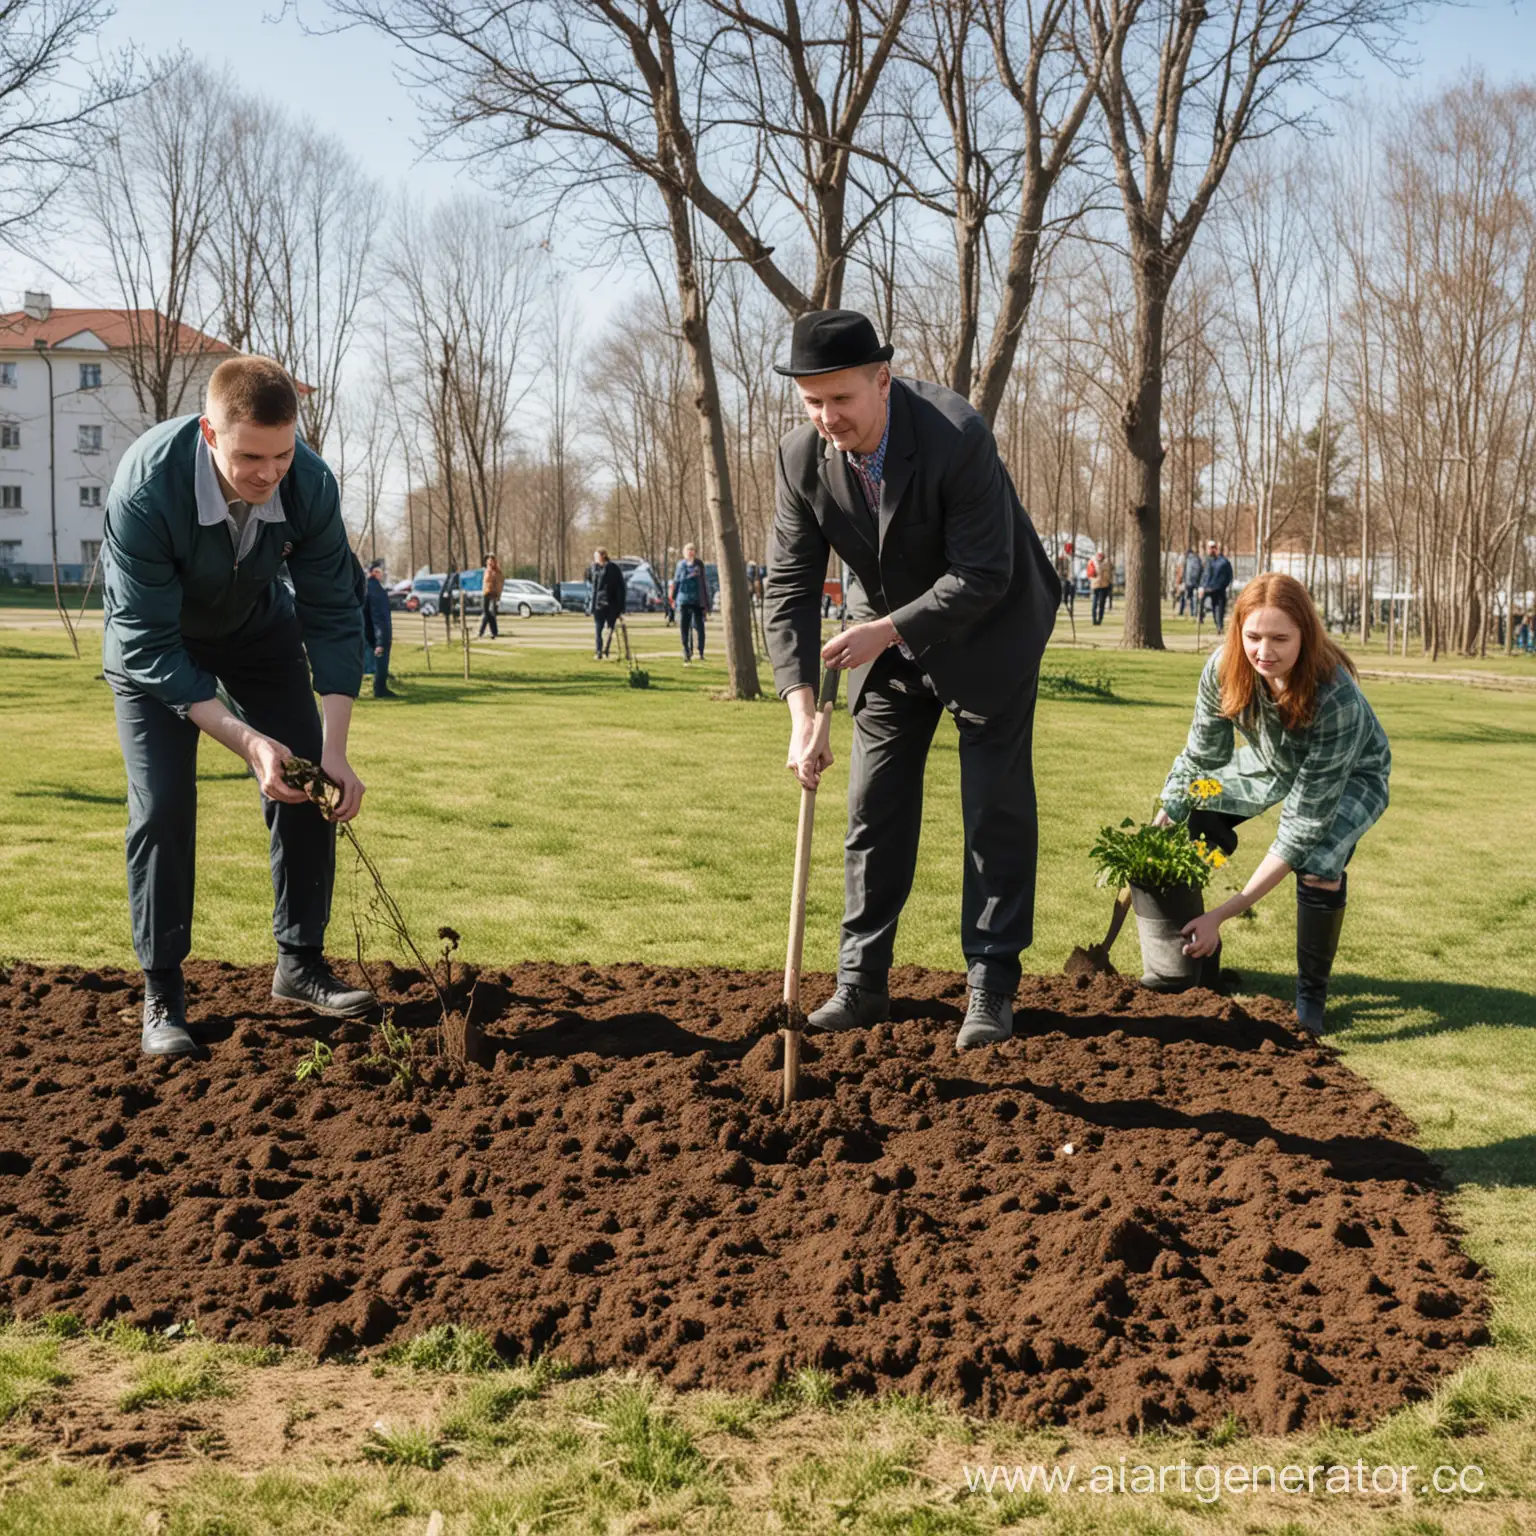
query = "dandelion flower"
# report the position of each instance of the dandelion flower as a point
(1204, 789)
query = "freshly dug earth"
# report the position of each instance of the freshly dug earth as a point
(1142, 1210)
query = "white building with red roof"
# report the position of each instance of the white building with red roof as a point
(93, 412)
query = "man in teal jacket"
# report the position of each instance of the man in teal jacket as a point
(203, 514)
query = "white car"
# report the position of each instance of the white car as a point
(526, 598)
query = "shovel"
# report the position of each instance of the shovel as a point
(1094, 961)
(794, 1018)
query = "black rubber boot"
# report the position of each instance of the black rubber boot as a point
(852, 1007)
(165, 1017)
(302, 976)
(1319, 920)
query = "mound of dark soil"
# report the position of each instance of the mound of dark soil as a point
(1142, 1210)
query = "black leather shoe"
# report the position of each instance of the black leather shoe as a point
(165, 1026)
(988, 1020)
(852, 1007)
(309, 980)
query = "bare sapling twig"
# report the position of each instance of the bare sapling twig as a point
(461, 1039)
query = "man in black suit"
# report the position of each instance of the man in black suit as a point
(951, 597)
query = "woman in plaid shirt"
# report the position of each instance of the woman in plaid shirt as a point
(1312, 745)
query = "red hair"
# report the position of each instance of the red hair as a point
(1317, 661)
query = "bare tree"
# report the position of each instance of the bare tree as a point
(51, 107)
(561, 369)
(153, 194)
(314, 243)
(561, 97)
(803, 78)
(367, 429)
(1214, 74)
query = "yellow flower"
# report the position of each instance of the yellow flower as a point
(1204, 789)
(1217, 858)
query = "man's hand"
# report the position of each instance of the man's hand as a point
(859, 645)
(1202, 935)
(337, 767)
(810, 750)
(378, 650)
(267, 758)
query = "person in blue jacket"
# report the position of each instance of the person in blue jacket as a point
(690, 591)
(378, 630)
(203, 515)
(1216, 583)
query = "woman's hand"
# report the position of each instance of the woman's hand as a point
(1162, 819)
(1202, 935)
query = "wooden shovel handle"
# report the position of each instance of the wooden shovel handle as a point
(795, 953)
(1117, 917)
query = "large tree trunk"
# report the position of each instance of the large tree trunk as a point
(1142, 423)
(740, 654)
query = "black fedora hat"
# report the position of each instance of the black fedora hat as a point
(826, 340)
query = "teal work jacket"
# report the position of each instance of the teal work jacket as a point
(171, 572)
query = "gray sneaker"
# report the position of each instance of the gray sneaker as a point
(988, 1020)
(852, 1007)
(165, 1027)
(309, 980)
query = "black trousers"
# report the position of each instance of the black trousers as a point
(488, 617)
(894, 722)
(267, 678)
(604, 621)
(1101, 597)
(1218, 602)
(690, 617)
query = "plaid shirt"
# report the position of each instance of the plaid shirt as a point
(1331, 776)
(869, 468)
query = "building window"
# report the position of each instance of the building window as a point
(7, 375)
(9, 550)
(10, 498)
(90, 551)
(10, 434)
(90, 439)
(90, 495)
(90, 375)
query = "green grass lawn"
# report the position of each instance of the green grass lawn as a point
(548, 811)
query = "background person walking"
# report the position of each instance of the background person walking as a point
(690, 591)
(1101, 578)
(1189, 583)
(490, 596)
(607, 599)
(378, 629)
(1216, 581)
(1065, 577)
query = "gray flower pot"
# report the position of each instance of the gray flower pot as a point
(1160, 918)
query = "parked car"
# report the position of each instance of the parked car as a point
(573, 596)
(399, 592)
(471, 584)
(526, 598)
(426, 595)
(641, 592)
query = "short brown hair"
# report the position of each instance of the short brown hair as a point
(254, 389)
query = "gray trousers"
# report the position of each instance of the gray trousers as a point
(267, 678)
(894, 722)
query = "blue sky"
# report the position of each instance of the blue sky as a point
(347, 82)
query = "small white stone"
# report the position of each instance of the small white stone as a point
(1068, 1149)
